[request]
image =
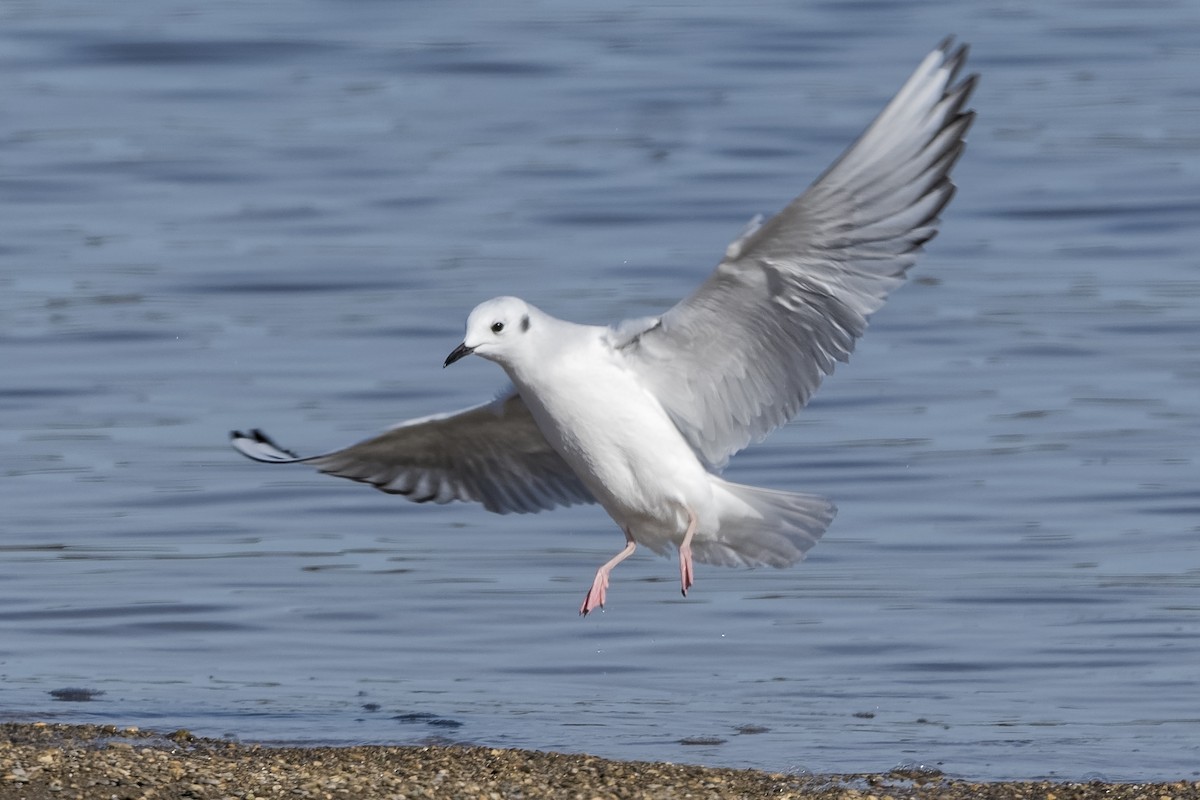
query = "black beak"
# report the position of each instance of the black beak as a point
(459, 352)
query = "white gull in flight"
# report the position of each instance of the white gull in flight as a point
(640, 417)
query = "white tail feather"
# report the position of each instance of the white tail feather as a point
(763, 527)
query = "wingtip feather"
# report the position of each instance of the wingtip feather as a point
(256, 445)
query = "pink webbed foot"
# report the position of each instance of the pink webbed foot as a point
(685, 568)
(596, 595)
(685, 553)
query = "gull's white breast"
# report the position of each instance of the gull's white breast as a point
(618, 439)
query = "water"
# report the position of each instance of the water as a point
(278, 215)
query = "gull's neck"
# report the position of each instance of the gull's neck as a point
(550, 344)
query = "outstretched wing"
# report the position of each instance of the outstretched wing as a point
(492, 454)
(745, 351)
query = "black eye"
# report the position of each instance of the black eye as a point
(497, 327)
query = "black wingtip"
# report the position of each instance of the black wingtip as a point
(262, 438)
(256, 435)
(954, 57)
(967, 87)
(952, 52)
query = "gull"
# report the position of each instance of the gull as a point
(642, 416)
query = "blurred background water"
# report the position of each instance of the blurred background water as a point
(230, 214)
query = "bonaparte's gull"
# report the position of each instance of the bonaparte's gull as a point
(641, 416)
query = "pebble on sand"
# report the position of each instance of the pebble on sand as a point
(40, 761)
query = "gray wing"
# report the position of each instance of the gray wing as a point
(492, 454)
(745, 351)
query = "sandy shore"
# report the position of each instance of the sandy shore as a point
(41, 760)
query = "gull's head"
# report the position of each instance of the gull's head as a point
(496, 329)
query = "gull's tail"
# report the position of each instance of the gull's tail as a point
(763, 527)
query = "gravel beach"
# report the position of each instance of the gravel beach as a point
(41, 760)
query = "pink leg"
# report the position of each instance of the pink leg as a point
(685, 553)
(595, 596)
